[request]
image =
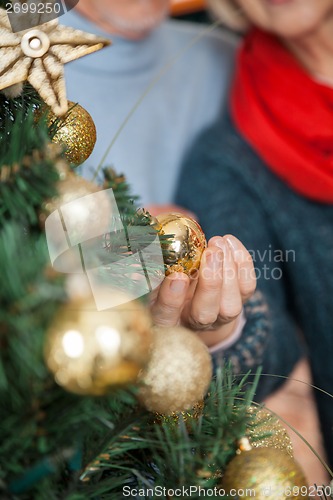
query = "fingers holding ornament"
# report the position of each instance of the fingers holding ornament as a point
(220, 279)
(202, 312)
(182, 256)
(226, 280)
(169, 303)
(216, 304)
(246, 276)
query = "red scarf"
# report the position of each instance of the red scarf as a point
(285, 115)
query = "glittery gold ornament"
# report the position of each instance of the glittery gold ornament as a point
(186, 246)
(38, 55)
(76, 131)
(266, 431)
(191, 414)
(178, 373)
(91, 352)
(73, 187)
(268, 473)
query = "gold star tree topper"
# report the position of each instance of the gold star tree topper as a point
(38, 55)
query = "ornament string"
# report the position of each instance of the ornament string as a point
(297, 380)
(151, 85)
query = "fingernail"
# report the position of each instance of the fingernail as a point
(232, 243)
(177, 286)
(220, 243)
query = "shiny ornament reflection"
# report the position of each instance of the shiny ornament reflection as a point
(184, 251)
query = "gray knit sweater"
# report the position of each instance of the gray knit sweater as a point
(291, 240)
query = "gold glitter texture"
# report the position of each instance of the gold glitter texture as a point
(91, 352)
(186, 246)
(178, 373)
(266, 431)
(268, 472)
(192, 414)
(77, 131)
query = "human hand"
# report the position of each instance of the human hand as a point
(211, 302)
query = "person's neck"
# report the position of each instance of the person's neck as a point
(85, 9)
(315, 51)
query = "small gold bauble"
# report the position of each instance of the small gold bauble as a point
(71, 188)
(266, 431)
(187, 244)
(76, 130)
(267, 473)
(178, 373)
(90, 352)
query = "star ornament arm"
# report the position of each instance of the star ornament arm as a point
(38, 56)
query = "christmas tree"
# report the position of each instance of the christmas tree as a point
(80, 418)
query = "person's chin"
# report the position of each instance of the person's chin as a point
(290, 31)
(134, 35)
(134, 29)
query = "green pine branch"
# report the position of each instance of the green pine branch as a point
(27, 160)
(54, 444)
(10, 108)
(140, 230)
(43, 428)
(170, 454)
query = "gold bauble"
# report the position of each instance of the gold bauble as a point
(265, 431)
(90, 352)
(76, 130)
(187, 244)
(186, 416)
(178, 373)
(71, 188)
(267, 473)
